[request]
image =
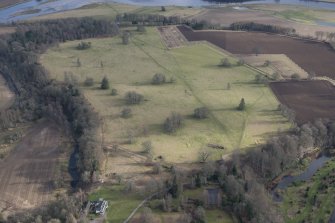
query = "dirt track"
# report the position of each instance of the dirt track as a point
(313, 57)
(309, 99)
(26, 174)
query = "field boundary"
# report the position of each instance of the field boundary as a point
(275, 34)
(324, 78)
(216, 48)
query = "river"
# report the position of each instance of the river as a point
(286, 181)
(43, 7)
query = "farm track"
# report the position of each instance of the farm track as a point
(26, 174)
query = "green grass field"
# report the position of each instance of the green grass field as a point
(311, 200)
(199, 82)
(120, 204)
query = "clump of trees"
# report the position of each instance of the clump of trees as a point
(148, 19)
(104, 83)
(240, 62)
(225, 63)
(267, 63)
(201, 113)
(251, 26)
(173, 122)
(287, 112)
(158, 79)
(295, 76)
(260, 79)
(133, 98)
(114, 92)
(83, 45)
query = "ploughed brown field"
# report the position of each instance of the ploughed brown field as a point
(313, 57)
(309, 99)
(26, 174)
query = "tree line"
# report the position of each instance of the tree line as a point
(251, 26)
(245, 176)
(38, 96)
(148, 19)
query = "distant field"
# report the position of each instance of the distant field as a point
(111, 10)
(304, 21)
(199, 82)
(93, 10)
(296, 13)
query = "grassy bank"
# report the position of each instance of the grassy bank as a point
(120, 204)
(313, 200)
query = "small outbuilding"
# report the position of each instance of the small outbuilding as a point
(212, 197)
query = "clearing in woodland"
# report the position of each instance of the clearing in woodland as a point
(198, 81)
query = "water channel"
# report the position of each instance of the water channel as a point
(288, 180)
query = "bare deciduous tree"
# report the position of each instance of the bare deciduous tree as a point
(204, 154)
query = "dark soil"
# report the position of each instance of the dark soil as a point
(313, 57)
(309, 99)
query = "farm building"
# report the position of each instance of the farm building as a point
(98, 207)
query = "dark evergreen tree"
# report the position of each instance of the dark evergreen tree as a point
(104, 83)
(241, 106)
